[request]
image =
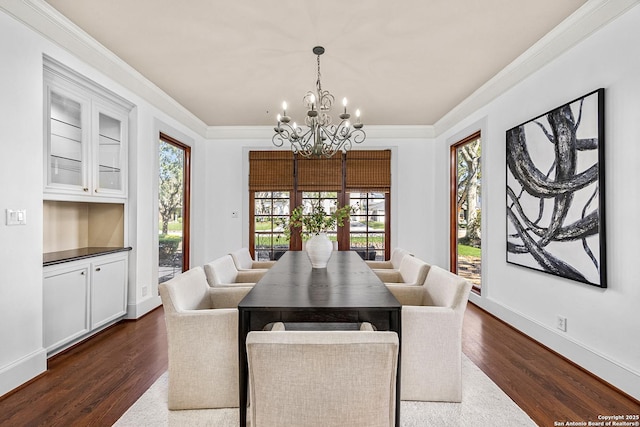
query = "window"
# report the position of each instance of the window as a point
(271, 210)
(279, 181)
(466, 211)
(367, 228)
(173, 207)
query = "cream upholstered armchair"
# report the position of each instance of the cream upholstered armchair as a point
(322, 378)
(223, 272)
(202, 333)
(243, 261)
(394, 263)
(431, 356)
(412, 271)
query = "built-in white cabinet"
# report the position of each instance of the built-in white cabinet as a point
(66, 305)
(108, 290)
(82, 297)
(86, 138)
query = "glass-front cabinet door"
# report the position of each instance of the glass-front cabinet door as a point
(85, 141)
(109, 154)
(68, 131)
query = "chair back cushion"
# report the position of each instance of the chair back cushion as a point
(322, 378)
(445, 289)
(397, 254)
(413, 270)
(242, 259)
(221, 271)
(187, 291)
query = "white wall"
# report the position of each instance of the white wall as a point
(21, 188)
(412, 182)
(603, 325)
(22, 356)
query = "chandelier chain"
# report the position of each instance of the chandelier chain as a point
(318, 83)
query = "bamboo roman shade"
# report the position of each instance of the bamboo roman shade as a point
(358, 171)
(270, 170)
(368, 170)
(319, 174)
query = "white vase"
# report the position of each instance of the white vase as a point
(319, 249)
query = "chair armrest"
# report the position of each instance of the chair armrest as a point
(379, 264)
(390, 276)
(233, 285)
(443, 321)
(407, 294)
(263, 264)
(366, 326)
(228, 297)
(249, 276)
(191, 328)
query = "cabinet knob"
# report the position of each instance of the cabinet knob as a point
(96, 190)
(98, 269)
(85, 189)
(82, 273)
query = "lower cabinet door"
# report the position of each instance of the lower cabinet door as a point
(66, 306)
(108, 291)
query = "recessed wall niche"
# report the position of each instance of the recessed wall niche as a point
(74, 225)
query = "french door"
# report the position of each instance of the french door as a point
(173, 207)
(466, 210)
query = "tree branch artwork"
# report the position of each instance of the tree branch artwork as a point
(555, 183)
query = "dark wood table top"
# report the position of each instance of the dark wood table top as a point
(346, 283)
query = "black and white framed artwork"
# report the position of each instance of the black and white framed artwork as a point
(555, 192)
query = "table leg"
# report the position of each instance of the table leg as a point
(395, 324)
(244, 318)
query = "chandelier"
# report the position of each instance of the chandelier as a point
(321, 137)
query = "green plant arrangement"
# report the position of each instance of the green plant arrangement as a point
(317, 221)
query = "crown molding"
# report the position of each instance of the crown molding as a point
(589, 18)
(373, 132)
(47, 21)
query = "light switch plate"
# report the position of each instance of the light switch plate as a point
(16, 216)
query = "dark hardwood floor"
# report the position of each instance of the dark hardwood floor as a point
(95, 382)
(546, 386)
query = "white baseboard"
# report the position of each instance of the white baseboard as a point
(139, 309)
(22, 370)
(610, 371)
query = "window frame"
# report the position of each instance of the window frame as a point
(343, 198)
(453, 205)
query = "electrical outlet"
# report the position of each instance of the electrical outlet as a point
(234, 214)
(562, 323)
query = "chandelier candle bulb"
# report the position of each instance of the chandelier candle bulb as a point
(358, 124)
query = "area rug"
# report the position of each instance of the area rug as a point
(483, 404)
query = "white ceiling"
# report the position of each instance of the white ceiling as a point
(234, 62)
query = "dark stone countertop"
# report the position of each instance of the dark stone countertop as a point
(52, 258)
